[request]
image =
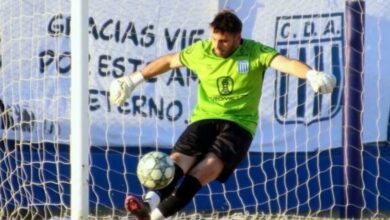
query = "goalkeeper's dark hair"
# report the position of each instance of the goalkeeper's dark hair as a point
(226, 21)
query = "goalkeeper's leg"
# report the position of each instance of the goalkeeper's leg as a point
(204, 172)
(153, 198)
(141, 209)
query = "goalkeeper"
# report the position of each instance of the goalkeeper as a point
(230, 70)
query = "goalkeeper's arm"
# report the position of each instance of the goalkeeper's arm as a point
(121, 88)
(319, 81)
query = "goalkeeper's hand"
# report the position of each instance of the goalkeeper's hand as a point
(321, 82)
(121, 88)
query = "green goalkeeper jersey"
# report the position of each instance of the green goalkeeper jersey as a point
(229, 88)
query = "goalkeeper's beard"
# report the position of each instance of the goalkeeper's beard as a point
(224, 52)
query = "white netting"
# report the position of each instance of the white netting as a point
(295, 166)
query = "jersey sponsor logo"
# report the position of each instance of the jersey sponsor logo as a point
(243, 66)
(318, 41)
(225, 85)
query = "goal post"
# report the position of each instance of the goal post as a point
(353, 109)
(79, 117)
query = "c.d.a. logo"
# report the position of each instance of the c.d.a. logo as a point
(315, 39)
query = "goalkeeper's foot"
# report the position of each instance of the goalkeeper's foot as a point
(137, 208)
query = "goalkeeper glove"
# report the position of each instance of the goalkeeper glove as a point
(121, 88)
(321, 82)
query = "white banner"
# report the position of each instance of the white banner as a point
(125, 35)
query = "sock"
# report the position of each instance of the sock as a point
(166, 191)
(181, 197)
(152, 198)
(157, 215)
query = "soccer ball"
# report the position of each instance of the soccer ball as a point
(155, 170)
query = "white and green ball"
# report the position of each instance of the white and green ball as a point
(155, 170)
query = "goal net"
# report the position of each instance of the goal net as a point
(297, 164)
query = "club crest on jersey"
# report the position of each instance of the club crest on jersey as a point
(243, 66)
(225, 85)
(319, 43)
